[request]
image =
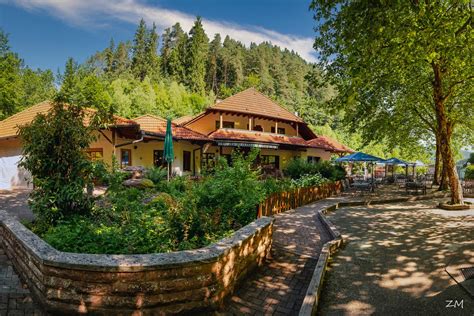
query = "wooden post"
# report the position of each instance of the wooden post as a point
(297, 129)
(276, 127)
(250, 123)
(221, 122)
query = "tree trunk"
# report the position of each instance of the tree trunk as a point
(437, 167)
(445, 133)
(443, 184)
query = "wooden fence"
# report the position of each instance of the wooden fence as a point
(284, 201)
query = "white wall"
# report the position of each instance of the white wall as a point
(12, 176)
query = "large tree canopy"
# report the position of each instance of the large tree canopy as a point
(402, 68)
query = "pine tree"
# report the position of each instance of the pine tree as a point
(232, 69)
(177, 57)
(139, 58)
(165, 52)
(198, 47)
(152, 58)
(214, 64)
(109, 58)
(69, 83)
(122, 58)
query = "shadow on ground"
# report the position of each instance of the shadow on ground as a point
(394, 262)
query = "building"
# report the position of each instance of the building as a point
(243, 121)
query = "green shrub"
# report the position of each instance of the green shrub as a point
(272, 185)
(297, 168)
(220, 203)
(309, 180)
(54, 153)
(469, 175)
(156, 174)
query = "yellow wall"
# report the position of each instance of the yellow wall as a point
(207, 123)
(325, 155)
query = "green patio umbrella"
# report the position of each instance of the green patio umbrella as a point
(168, 154)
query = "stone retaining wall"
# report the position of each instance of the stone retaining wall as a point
(165, 283)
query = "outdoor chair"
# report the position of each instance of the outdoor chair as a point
(468, 187)
(362, 186)
(401, 182)
(415, 186)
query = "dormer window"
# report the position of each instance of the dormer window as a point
(225, 124)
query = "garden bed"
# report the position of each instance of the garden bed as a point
(174, 282)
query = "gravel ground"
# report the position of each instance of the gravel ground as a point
(394, 261)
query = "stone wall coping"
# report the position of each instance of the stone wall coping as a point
(50, 256)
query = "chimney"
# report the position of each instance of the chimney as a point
(296, 113)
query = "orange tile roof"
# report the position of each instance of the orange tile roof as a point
(254, 136)
(157, 125)
(329, 143)
(9, 126)
(184, 119)
(251, 101)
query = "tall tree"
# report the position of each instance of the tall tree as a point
(381, 53)
(198, 47)
(152, 58)
(139, 50)
(122, 57)
(214, 63)
(10, 78)
(110, 58)
(165, 51)
(177, 57)
(68, 93)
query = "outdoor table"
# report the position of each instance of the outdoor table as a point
(415, 186)
(362, 186)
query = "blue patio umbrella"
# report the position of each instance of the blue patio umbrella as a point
(359, 157)
(395, 161)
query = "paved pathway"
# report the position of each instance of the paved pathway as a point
(278, 288)
(15, 298)
(394, 261)
(15, 202)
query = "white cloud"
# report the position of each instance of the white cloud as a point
(98, 12)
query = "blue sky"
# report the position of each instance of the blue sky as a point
(46, 32)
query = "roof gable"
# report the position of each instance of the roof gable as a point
(157, 125)
(9, 126)
(251, 101)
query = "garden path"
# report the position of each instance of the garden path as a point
(15, 298)
(279, 287)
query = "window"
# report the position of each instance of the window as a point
(125, 158)
(158, 160)
(95, 154)
(270, 161)
(313, 159)
(207, 160)
(258, 128)
(186, 160)
(281, 130)
(225, 124)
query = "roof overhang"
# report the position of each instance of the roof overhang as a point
(225, 143)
